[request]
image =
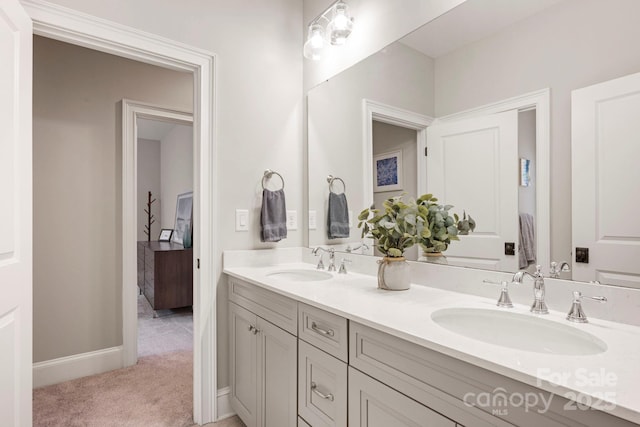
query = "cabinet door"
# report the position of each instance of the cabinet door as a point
(277, 373)
(322, 387)
(243, 359)
(373, 404)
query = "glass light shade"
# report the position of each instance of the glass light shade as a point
(341, 24)
(315, 42)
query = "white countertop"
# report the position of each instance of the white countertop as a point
(609, 381)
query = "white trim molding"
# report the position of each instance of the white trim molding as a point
(68, 25)
(131, 111)
(224, 403)
(77, 366)
(379, 112)
(540, 101)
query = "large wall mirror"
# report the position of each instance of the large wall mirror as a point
(487, 89)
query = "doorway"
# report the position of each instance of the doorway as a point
(58, 23)
(164, 174)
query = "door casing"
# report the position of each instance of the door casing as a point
(77, 28)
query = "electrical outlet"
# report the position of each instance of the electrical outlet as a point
(509, 248)
(313, 220)
(292, 220)
(582, 255)
(242, 220)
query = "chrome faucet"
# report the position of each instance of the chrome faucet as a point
(332, 258)
(538, 306)
(362, 246)
(576, 314)
(557, 268)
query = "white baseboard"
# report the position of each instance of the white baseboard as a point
(224, 403)
(79, 365)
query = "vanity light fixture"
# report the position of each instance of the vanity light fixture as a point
(334, 26)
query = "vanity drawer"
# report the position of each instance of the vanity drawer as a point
(372, 403)
(322, 387)
(325, 330)
(277, 309)
(422, 374)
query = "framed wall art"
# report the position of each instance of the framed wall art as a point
(387, 168)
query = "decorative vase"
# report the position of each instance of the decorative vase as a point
(393, 274)
(434, 258)
(187, 238)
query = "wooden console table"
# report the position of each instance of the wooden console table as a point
(165, 274)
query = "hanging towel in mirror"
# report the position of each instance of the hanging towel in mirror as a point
(527, 248)
(338, 216)
(273, 216)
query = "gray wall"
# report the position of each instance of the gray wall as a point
(148, 180)
(572, 45)
(176, 159)
(77, 285)
(259, 96)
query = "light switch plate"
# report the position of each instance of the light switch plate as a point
(292, 220)
(242, 220)
(313, 219)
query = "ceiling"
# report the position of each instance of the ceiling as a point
(473, 20)
(153, 129)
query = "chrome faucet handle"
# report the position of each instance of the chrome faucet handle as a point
(576, 314)
(557, 268)
(343, 267)
(504, 300)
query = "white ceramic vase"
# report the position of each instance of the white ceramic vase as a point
(394, 274)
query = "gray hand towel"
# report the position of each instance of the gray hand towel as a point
(527, 249)
(338, 216)
(273, 216)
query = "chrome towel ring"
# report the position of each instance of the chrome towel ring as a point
(268, 174)
(331, 179)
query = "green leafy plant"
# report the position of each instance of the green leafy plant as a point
(402, 224)
(396, 227)
(443, 226)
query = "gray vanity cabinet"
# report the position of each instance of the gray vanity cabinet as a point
(322, 367)
(373, 404)
(263, 358)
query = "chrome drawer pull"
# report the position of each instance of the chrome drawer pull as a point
(320, 330)
(253, 329)
(314, 388)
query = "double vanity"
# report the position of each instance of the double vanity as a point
(315, 348)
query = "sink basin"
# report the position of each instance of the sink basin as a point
(518, 331)
(301, 275)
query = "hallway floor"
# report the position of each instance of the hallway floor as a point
(171, 331)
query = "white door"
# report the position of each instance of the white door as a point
(15, 215)
(605, 151)
(473, 165)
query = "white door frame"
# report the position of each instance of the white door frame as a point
(131, 112)
(379, 112)
(77, 28)
(540, 101)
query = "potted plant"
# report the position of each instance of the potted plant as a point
(395, 228)
(402, 224)
(443, 227)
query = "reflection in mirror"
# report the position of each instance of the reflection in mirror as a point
(471, 87)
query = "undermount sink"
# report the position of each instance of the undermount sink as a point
(518, 331)
(301, 275)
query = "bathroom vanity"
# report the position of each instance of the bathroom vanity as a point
(312, 348)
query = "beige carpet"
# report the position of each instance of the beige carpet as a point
(155, 392)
